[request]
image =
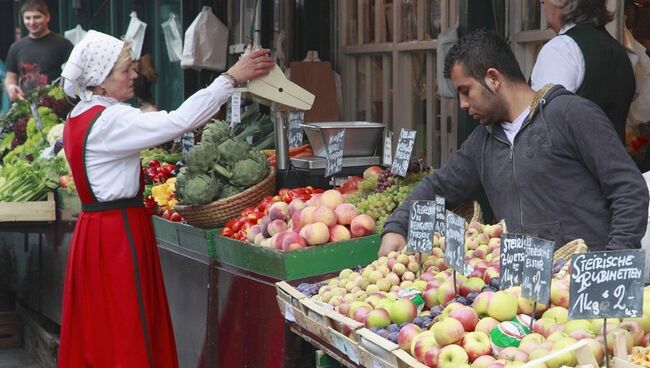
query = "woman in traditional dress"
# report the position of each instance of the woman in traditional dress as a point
(115, 311)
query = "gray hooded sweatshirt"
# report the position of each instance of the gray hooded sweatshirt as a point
(566, 176)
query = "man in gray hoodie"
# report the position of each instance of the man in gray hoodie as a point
(549, 161)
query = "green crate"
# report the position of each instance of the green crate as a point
(68, 201)
(296, 264)
(183, 235)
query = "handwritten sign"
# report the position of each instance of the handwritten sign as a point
(295, 130)
(440, 220)
(455, 242)
(403, 152)
(235, 109)
(420, 235)
(388, 148)
(538, 270)
(335, 153)
(607, 284)
(511, 260)
(187, 142)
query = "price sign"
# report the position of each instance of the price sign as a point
(440, 220)
(288, 313)
(420, 235)
(235, 109)
(335, 153)
(511, 260)
(538, 270)
(403, 152)
(607, 284)
(388, 148)
(187, 141)
(295, 130)
(455, 242)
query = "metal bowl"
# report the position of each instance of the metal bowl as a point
(362, 138)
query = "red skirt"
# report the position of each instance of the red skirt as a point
(115, 311)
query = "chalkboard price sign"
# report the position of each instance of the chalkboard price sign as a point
(538, 269)
(441, 212)
(607, 284)
(511, 260)
(335, 153)
(403, 152)
(295, 130)
(420, 235)
(455, 242)
(187, 142)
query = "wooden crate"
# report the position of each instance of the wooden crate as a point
(343, 334)
(316, 319)
(10, 330)
(29, 211)
(375, 351)
(289, 302)
(583, 353)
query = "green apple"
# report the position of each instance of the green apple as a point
(452, 356)
(402, 310)
(377, 318)
(559, 314)
(448, 331)
(568, 358)
(577, 324)
(503, 306)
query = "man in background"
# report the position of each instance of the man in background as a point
(36, 59)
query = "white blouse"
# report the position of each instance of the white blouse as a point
(122, 131)
(560, 61)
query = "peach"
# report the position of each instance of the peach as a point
(278, 211)
(316, 233)
(325, 215)
(276, 227)
(264, 226)
(338, 233)
(314, 201)
(252, 233)
(293, 241)
(331, 198)
(345, 212)
(307, 215)
(258, 238)
(295, 220)
(295, 205)
(362, 225)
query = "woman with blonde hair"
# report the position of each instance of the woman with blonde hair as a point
(115, 311)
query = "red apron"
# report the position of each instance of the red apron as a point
(115, 311)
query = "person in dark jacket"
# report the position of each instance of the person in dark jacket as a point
(545, 159)
(585, 58)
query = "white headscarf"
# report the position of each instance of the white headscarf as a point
(90, 62)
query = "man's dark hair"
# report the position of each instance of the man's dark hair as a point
(480, 50)
(35, 5)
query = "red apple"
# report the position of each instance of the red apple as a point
(448, 331)
(406, 335)
(431, 356)
(476, 344)
(486, 325)
(452, 356)
(466, 316)
(483, 361)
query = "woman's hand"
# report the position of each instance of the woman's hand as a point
(251, 66)
(15, 92)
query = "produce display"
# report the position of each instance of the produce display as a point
(32, 156)
(415, 304)
(220, 166)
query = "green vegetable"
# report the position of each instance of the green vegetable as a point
(197, 189)
(232, 151)
(247, 173)
(253, 131)
(230, 190)
(216, 132)
(204, 158)
(267, 142)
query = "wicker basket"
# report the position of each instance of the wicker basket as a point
(470, 211)
(217, 213)
(565, 252)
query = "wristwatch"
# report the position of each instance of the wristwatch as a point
(230, 79)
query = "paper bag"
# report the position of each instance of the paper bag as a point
(172, 33)
(135, 35)
(206, 43)
(75, 35)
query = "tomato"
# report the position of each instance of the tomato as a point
(167, 214)
(247, 211)
(238, 224)
(227, 232)
(175, 217)
(231, 222)
(351, 185)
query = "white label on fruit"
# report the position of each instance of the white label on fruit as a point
(235, 108)
(351, 351)
(288, 315)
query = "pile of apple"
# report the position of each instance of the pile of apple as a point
(325, 218)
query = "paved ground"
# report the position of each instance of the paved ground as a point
(16, 358)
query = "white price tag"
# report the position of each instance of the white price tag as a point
(235, 108)
(339, 343)
(376, 364)
(388, 148)
(288, 313)
(352, 352)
